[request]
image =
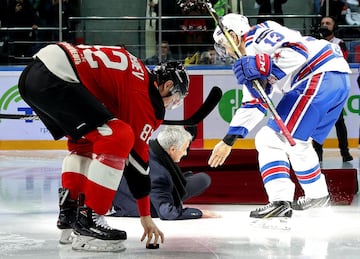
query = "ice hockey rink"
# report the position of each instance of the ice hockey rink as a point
(29, 207)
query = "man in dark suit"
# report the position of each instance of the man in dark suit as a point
(169, 186)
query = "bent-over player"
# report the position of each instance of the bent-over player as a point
(312, 77)
(107, 104)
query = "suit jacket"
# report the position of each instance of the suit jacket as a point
(163, 202)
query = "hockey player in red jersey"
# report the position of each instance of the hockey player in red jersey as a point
(107, 104)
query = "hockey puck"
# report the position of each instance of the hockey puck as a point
(152, 246)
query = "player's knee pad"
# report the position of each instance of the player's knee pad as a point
(266, 138)
(114, 138)
(76, 163)
(301, 147)
(81, 146)
(73, 176)
(270, 147)
(303, 156)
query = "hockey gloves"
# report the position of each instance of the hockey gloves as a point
(249, 68)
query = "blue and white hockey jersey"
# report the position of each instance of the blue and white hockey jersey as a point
(295, 58)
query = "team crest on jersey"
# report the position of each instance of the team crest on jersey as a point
(337, 50)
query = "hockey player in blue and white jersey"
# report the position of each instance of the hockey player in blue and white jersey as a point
(312, 77)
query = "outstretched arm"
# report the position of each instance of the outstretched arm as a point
(151, 231)
(139, 185)
(219, 154)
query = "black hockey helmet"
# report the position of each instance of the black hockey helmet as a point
(174, 71)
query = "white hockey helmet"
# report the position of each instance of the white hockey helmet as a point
(237, 23)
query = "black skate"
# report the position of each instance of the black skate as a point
(346, 157)
(92, 233)
(273, 209)
(274, 215)
(304, 203)
(67, 216)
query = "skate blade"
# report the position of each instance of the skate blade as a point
(85, 243)
(275, 223)
(317, 212)
(66, 236)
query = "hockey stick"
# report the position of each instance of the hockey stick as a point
(256, 83)
(209, 104)
(19, 116)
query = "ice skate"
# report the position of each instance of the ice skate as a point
(273, 209)
(304, 203)
(275, 215)
(346, 157)
(92, 233)
(67, 216)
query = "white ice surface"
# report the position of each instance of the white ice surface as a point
(28, 214)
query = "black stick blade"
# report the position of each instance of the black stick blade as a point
(209, 104)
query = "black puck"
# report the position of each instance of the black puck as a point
(152, 246)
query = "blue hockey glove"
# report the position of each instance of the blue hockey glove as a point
(252, 67)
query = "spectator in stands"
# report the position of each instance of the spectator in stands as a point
(169, 27)
(217, 60)
(3, 35)
(337, 10)
(358, 82)
(20, 13)
(327, 31)
(222, 7)
(317, 6)
(205, 58)
(269, 7)
(3, 9)
(170, 186)
(192, 59)
(211, 57)
(165, 55)
(194, 29)
(49, 16)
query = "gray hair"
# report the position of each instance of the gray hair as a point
(173, 136)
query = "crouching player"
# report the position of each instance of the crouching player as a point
(107, 104)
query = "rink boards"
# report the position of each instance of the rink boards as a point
(30, 134)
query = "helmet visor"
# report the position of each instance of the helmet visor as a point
(223, 52)
(220, 50)
(173, 101)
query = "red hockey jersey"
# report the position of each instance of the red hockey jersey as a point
(121, 82)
